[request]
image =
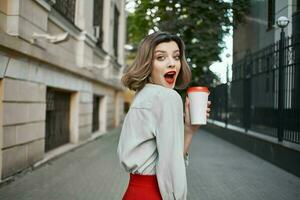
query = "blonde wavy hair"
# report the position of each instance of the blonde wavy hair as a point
(137, 75)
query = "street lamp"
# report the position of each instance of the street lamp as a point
(281, 22)
(226, 94)
(227, 69)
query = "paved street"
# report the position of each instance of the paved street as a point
(218, 170)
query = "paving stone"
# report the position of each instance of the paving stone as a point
(218, 170)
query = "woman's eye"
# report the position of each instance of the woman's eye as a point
(177, 57)
(160, 58)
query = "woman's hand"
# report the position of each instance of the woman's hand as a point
(189, 128)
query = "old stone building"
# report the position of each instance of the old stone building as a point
(60, 68)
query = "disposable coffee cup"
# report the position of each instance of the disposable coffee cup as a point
(198, 97)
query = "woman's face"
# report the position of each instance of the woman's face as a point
(166, 64)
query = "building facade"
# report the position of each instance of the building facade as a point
(60, 68)
(259, 29)
(260, 106)
(265, 86)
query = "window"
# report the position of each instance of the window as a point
(116, 30)
(57, 118)
(98, 21)
(66, 8)
(95, 125)
(271, 13)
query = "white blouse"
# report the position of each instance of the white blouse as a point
(152, 139)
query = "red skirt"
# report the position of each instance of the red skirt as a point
(143, 187)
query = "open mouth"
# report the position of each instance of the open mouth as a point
(170, 77)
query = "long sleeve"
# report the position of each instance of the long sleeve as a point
(137, 147)
(170, 167)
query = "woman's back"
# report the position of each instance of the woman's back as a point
(151, 140)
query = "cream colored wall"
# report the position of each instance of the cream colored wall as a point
(1, 124)
(106, 109)
(119, 107)
(103, 114)
(24, 18)
(30, 68)
(85, 119)
(107, 26)
(23, 125)
(122, 32)
(84, 16)
(24, 92)
(74, 117)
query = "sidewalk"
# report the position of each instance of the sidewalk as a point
(217, 170)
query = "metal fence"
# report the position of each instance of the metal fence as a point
(253, 93)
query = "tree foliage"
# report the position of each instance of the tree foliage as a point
(202, 25)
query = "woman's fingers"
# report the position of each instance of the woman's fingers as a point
(208, 109)
(208, 103)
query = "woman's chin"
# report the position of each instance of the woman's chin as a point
(170, 85)
(166, 84)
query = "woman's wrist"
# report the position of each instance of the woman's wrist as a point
(187, 130)
(190, 129)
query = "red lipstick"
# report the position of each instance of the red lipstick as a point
(170, 77)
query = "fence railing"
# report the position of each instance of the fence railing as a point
(253, 93)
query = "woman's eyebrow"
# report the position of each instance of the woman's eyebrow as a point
(162, 51)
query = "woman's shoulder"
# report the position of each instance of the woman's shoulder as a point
(155, 95)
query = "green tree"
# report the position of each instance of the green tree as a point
(202, 25)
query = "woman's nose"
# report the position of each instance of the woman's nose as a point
(171, 63)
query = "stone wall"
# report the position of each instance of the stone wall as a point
(76, 66)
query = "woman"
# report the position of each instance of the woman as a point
(154, 140)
